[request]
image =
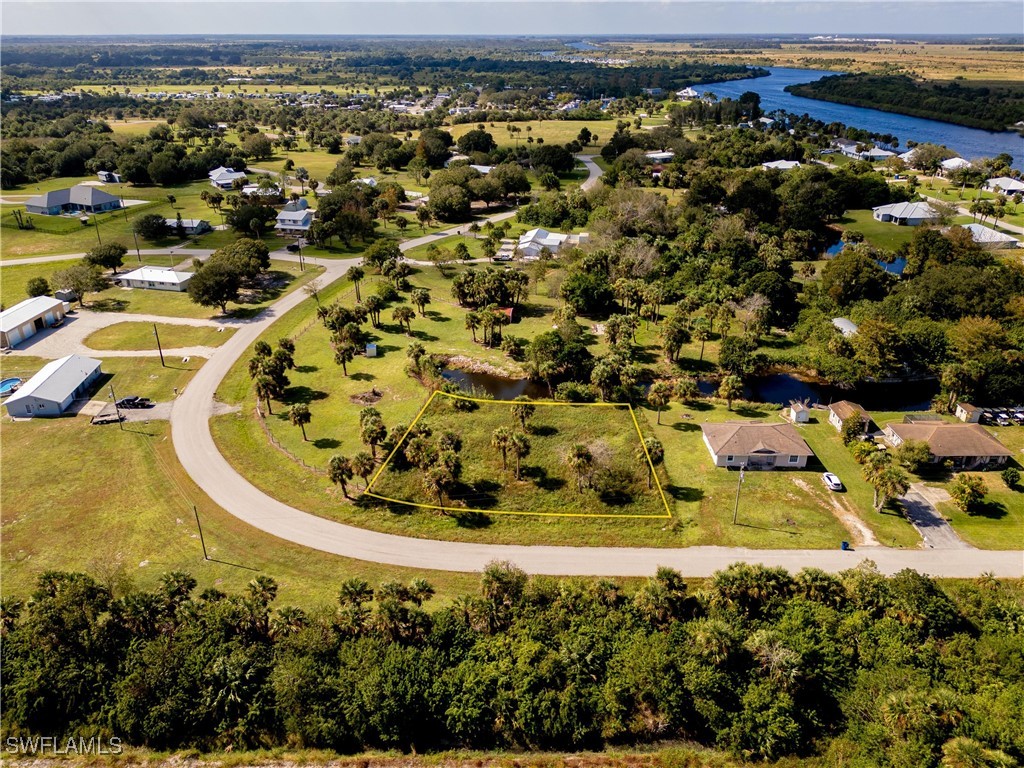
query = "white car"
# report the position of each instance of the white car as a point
(832, 482)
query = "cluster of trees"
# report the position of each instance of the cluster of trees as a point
(858, 667)
(219, 279)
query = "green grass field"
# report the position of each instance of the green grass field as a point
(140, 336)
(617, 484)
(880, 234)
(123, 510)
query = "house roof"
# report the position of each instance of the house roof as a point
(844, 409)
(982, 234)
(954, 162)
(782, 165)
(951, 439)
(297, 217)
(743, 439)
(80, 194)
(968, 408)
(193, 223)
(1006, 184)
(659, 155)
(57, 379)
(226, 174)
(907, 211)
(158, 275)
(27, 310)
(846, 326)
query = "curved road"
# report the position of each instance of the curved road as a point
(198, 454)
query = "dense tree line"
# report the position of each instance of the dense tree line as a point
(989, 107)
(896, 671)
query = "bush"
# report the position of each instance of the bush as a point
(1010, 476)
(150, 226)
(37, 286)
(514, 347)
(387, 292)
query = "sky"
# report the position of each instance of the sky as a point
(510, 17)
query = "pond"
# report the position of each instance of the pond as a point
(770, 388)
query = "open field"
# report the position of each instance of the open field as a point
(133, 520)
(139, 336)
(879, 233)
(616, 486)
(933, 62)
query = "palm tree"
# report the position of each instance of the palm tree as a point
(372, 432)
(339, 471)
(651, 455)
(658, 396)
(685, 389)
(523, 410)
(519, 445)
(701, 332)
(373, 306)
(730, 389)
(579, 459)
(403, 316)
(420, 297)
(887, 480)
(436, 481)
(500, 440)
(264, 390)
(356, 275)
(300, 416)
(363, 465)
(472, 323)
(420, 591)
(344, 354)
(414, 352)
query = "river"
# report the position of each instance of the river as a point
(968, 142)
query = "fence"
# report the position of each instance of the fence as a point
(274, 441)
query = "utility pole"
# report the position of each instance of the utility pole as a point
(739, 484)
(200, 526)
(138, 253)
(96, 223)
(158, 347)
(116, 409)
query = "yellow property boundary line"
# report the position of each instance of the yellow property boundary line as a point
(636, 424)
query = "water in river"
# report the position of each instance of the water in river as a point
(772, 388)
(969, 142)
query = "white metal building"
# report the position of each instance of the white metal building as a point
(28, 317)
(157, 278)
(54, 388)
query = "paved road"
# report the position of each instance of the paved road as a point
(967, 212)
(594, 171)
(935, 531)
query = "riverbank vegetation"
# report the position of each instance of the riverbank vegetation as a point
(757, 662)
(992, 106)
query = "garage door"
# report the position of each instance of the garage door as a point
(14, 336)
(49, 318)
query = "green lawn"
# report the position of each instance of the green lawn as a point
(140, 336)
(123, 510)
(617, 485)
(943, 190)
(880, 234)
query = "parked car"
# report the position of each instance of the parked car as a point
(134, 401)
(292, 247)
(1003, 420)
(832, 482)
(1018, 417)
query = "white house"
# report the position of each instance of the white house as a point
(756, 446)
(297, 205)
(1005, 184)
(224, 178)
(483, 170)
(844, 409)
(872, 154)
(157, 278)
(54, 388)
(845, 326)
(534, 241)
(258, 191)
(659, 157)
(989, 238)
(687, 93)
(294, 222)
(875, 155)
(191, 226)
(782, 165)
(952, 164)
(28, 317)
(905, 214)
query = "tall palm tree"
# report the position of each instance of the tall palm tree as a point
(372, 432)
(265, 389)
(300, 416)
(363, 465)
(344, 354)
(519, 445)
(658, 396)
(651, 455)
(579, 459)
(420, 297)
(403, 316)
(472, 323)
(356, 275)
(685, 389)
(730, 389)
(500, 440)
(339, 471)
(523, 410)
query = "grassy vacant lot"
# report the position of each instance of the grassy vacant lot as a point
(552, 131)
(143, 376)
(943, 190)
(547, 486)
(123, 510)
(133, 336)
(783, 509)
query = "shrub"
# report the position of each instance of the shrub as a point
(1010, 476)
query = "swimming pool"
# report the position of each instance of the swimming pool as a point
(7, 386)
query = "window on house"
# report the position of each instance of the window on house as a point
(794, 459)
(729, 457)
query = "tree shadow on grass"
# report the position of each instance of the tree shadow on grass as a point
(543, 430)
(991, 510)
(362, 376)
(686, 426)
(532, 310)
(683, 493)
(423, 335)
(302, 394)
(542, 479)
(383, 349)
(306, 368)
(700, 406)
(748, 412)
(436, 316)
(108, 305)
(467, 519)
(326, 442)
(482, 494)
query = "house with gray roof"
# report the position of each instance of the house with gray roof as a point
(80, 197)
(51, 391)
(965, 446)
(905, 214)
(756, 446)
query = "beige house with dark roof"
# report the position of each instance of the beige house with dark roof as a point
(844, 409)
(756, 446)
(967, 446)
